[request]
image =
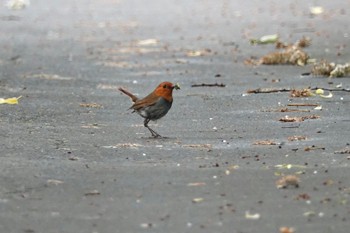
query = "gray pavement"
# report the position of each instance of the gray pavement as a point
(74, 159)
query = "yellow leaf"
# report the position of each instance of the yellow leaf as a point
(13, 100)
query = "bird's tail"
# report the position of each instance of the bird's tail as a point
(133, 97)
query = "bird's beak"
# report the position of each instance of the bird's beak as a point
(176, 86)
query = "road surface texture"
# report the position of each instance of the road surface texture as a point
(75, 159)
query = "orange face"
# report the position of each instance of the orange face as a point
(165, 90)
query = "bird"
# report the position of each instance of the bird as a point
(155, 105)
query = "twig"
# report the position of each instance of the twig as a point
(303, 104)
(267, 90)
(209, 85)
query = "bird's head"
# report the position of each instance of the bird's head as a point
(165, 90)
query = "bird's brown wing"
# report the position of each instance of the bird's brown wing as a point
(149, 100)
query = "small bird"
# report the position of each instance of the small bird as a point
(155, 105)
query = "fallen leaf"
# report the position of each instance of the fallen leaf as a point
(13, 100)
(267, 39)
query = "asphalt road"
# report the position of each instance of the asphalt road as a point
(74, 159)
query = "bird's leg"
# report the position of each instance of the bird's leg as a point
(154, 133)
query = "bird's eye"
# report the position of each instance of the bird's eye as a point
(164, 86)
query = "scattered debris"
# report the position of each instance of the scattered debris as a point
(13, 100)
(301, 93)
(328, 182)
(255, 216)
(296, 138)
(92, 193)
(146, 225)
(197, 53)
(307, 92)
(197, 200)
(265, 142)
(292, 55)
(287, 230)
(267, 39)
(200, 146)
(90, 105)
(287, 53)
(124, 145)
(289, 166)
(107, 87)
(73, 158)
(345, 150)
(48, 77)
(209, 85)
(302, 43)
(288, 180)
(303, 196)
(309, 214)
(298, 119)
(147, 42)
(54, 182)
(91, 126)
(302, 105)
(267, 90)
(291, 110)
(196, 184)
(313, 147)
(325, 68)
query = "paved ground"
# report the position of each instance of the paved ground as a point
(70, 166)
